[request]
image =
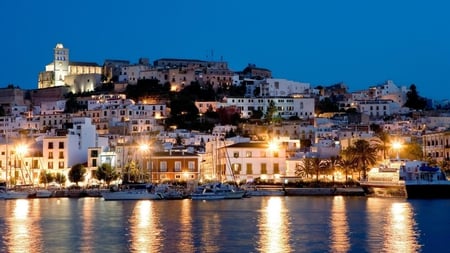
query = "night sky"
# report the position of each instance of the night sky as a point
(360, 43)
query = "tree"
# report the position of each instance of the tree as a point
(383, 140)
(45, 177)
(71, 104)
(60, 178)
(363, 155)
(327, 105)
(132, 173)
(332, 163)
(106, 173)
(412, 151)
(318, 165)
(271, 110)
(346, 162)
(304, 168)
(414, 101)
(77, 173)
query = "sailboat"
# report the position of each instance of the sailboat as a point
(220, 190)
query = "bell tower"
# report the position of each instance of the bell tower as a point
(61, 64)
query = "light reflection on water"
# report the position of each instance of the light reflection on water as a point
(23, 231)
(339, 236)
(394, 226)
(145, 228)
(259, 224)
(273, 225)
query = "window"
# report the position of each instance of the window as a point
(50, 145)
(163, 166)
(177, 166)
(50, 165)
(275, 154)
(249, 169)
(276, 168)
(61, 165)
(61, 145)
(50, 155)
(235, 154)
(236, 167)
(61, 155)
(248, 153)
(191, 165)
(263, 168)
(94, 153)
(94, 162)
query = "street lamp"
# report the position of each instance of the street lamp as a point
(21, 150)
(397, 146)
(144, 148)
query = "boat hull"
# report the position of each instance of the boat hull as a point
(131, 195)
(16, 195)
(428, 191)
(218, 195)
(384, 190)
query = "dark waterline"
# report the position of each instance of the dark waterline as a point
(258, 224)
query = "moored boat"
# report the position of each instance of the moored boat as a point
(409, 179)
(133, 192)
(217, 191)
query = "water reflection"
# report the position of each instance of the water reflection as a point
(186, 239)
(87, 223)
(400, 230)
(340, 241)
(274, 226)
(22, 228)
(211, 229)
(393, 224)
(144, 228)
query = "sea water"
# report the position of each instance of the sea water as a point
(257, 224)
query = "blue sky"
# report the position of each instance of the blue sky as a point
(360, 43)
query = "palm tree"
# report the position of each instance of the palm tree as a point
(318, 165)
(363, 154)
(347, 162)
(332, 163)
(304, 168)
(382, 142)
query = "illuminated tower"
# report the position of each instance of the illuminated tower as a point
(61, 64)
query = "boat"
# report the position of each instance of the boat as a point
(408, 179)
(18, 192)
(43, 193)
(169, 192)
(132, 192)
(217, 191)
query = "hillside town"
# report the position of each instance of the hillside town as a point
(194, 121)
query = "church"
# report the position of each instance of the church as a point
(77, 76)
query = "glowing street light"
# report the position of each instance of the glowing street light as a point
(397, 146)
